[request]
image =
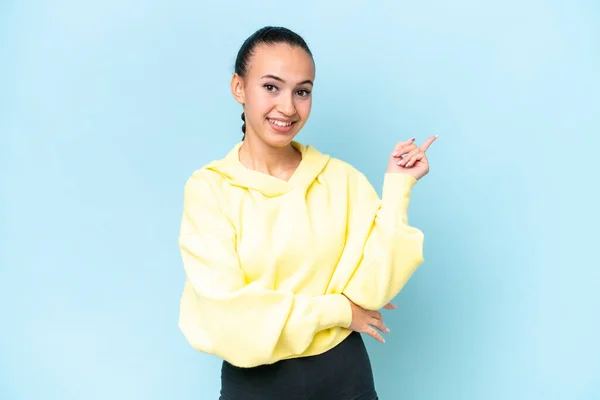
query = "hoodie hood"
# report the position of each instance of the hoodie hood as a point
(230, 168)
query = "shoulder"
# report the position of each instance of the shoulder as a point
(347, 170)
(203, 186)
(202, 178)
(208, 175)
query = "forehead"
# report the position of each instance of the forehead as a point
(282, 60)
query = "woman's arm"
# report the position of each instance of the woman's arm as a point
(392, 250)
(221, 313)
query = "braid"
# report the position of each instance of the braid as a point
(244, 126)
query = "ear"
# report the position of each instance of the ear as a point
(237, 89)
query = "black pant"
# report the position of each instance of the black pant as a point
(342, 373)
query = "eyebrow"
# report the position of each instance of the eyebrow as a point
(282, 81)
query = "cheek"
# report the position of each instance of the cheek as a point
(303, 107)
(258, 104)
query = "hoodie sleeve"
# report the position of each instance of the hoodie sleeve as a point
(221, 313)
(391, 249)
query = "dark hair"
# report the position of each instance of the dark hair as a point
(268, 35)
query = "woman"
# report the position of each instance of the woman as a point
(288, 252)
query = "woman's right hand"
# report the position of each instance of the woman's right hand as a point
(364, 320)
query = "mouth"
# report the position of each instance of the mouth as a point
(281, 126)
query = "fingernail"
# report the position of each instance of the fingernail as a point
(383, 340)
(394, 154)
(387, 330)
(412, 139)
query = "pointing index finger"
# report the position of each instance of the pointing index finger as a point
(427, 143)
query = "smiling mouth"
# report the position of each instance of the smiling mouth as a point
(282, 124)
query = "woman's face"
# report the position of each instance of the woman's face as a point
(276, 92)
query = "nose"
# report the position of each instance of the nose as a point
(286, 106)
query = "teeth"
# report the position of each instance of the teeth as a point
(279, 123)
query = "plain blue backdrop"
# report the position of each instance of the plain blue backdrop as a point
(106, 108)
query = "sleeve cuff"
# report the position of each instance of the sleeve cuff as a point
(397, 188)
(334, 310)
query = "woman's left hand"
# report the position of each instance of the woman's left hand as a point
(408, 158)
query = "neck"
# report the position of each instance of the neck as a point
(259, 156)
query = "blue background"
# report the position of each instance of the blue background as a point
(106, 107)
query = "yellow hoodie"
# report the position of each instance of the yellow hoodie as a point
(267, 260)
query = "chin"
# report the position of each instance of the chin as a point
(280, 139)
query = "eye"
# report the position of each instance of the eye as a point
(303, 92)
(270, 88)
